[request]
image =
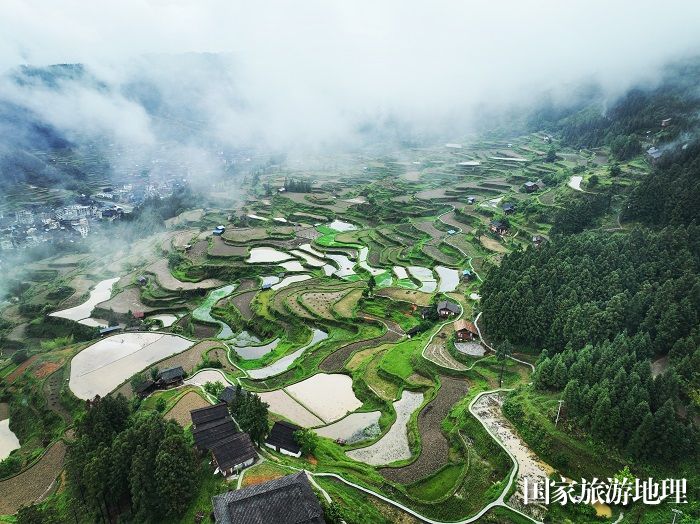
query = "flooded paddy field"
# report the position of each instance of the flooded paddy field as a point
(353, 428)
(283, 364)
(101, 367)
(393, 445)
(100, 293)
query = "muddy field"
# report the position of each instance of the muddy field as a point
(219, 248)
(127, 300)
(167, 281)
(31, 484)
(406, 295)
(180, 412)
(242, 302)
(435, 448)
(336, 360)
(437, 351)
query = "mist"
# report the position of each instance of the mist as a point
(319, 76)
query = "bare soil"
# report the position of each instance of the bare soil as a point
(336, 360)
(27, 487)
(180, 412)
(435, 448)
(242, 302)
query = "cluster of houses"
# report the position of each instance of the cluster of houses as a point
(215, 432)
(286, 500)
(38, 224)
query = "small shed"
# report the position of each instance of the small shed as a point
(530, 187)
(282, 440)
(109, 330)
(465, 330)
(228, 395)
(144, 388)
(234, 453)
(445, 309)
(171, 376)
(498, 227)
(509, 208)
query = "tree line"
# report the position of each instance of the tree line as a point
(130, 461)
(600, 306)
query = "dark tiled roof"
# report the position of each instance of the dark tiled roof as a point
(287, 500)
(233, 450)
(282, 436)
(208, 413)
(143, 386)
(450, 306)
(228, 394)
(209, 434)
(169, 374)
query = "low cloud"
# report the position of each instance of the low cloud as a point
(320, 74)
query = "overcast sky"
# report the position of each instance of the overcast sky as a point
(321, 66)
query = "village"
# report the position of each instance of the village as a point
(319, 341)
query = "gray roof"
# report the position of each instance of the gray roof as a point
(450, 306)
(175, 373)
(287, 500)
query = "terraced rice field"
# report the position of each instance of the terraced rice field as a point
(353, 428)
(207, 375)
(250, 352)
(8, 440)
(321, 303)
(125, 301)
(393, 446)
(336, 360)
(436, 350)
(329, 396)
(345, 307)
(266, 255)
(426, 278)
(219, 248)
(244, 235)
(290, 280)
(448, 279)
(203, 312)
(282, 404)
(102, 366)
(242, 302)
(99, 293)
(180, 412)
(167, 281)
(283, 364)
(33, 483)
(435, 447)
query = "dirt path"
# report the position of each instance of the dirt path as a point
(33, 483)
(434, 446)
(488, 410)
(336, 360)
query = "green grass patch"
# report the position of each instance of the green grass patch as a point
(438, 485)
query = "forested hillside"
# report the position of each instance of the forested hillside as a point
(599, 306)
